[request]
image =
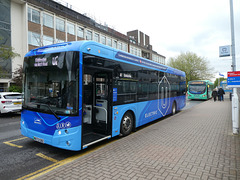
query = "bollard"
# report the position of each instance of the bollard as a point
(235, 112)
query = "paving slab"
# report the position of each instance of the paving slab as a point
(196, 143)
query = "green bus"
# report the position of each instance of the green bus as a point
(200, 89)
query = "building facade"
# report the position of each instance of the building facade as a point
(28, 24)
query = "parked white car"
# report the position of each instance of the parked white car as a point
(10, 102)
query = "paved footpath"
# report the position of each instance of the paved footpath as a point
(196, 143)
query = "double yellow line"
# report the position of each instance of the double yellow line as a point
(46, 157)
(14, 145)
(57, 164)
(19, 146)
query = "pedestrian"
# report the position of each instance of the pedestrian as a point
(214, 94)
(221, 94)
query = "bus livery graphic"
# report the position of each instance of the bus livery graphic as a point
(164, 90)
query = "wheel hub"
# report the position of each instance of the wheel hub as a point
(126, 123)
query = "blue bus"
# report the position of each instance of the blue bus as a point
(79, 93)
(223, 84)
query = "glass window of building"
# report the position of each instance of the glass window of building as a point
(139, 53)
(60, 24)
(115, 44)
(47, 40)
(155, 58)
(109, 42)
(103, 39)
(125, 47)
(134, 50)
(89, 35)
(133, 41)
(34, 39)
(70, 28)
(59, 40)
(120, 45)
(47, 20)
(80, 32)
(33, 15)
(96, 37)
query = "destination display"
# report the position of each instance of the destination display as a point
(198, 82)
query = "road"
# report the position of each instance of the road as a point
(191, 103)
(21, 156)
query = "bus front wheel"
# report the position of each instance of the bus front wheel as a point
(127, 124)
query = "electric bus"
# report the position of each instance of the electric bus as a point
(223, 84)
(79, 93)
(200, 89)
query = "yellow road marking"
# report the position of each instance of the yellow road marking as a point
(49, 168)
(14, 145)
(46, 157)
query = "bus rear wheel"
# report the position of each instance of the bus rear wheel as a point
(127, 124)
(174, 108)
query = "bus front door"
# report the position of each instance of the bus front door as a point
(96, 106)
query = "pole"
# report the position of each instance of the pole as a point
(235, 102)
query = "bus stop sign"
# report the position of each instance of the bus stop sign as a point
(233, 79)
(224, 51)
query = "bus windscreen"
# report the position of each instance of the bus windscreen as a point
(197, 88)
(51, 83)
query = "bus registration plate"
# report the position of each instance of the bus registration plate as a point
(38, 139)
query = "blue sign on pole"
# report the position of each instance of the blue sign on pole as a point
(233, 79)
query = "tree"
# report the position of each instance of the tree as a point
(6, 53)
(195, 67)
(17, 80)
(218, 80)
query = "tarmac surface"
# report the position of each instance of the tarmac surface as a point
(196, 143)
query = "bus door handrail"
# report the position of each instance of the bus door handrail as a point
(104, 110)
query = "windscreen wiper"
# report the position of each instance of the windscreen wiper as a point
(41, 104)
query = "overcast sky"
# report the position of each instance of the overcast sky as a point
(174, 26)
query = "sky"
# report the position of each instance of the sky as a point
(174, 26)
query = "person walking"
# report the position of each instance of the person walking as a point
(221, 94)
(214, 94)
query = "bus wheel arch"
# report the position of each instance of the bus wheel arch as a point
(174, 108)
(127, 123)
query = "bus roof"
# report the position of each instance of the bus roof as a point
(97, 49)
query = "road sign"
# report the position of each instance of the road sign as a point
(224, 51)
(233, 79)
